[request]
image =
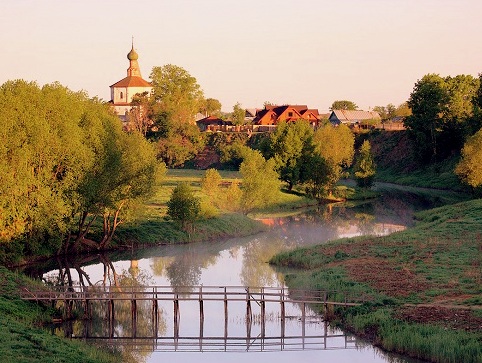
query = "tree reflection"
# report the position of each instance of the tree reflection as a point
(256, 271)
(127, 324)
(184, 270)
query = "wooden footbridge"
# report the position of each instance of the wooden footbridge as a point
(225, 294)
(85, 296)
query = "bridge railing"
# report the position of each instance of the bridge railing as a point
(193, 293)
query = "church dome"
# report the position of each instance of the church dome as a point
(132, 55)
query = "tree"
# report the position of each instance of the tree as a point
(233, 155)
(289, 145)
(180, 143)
(210, 182)
(210, 107)
(238, 115)
(183, 206)
(343, 105)
(336, 146)
(365, 168)
(177, 93)
(260, 185)
(387, 112)
(139, 115)
(319, 176)
(440, 110)
(469, 169)
(64, 162)
(403, 110)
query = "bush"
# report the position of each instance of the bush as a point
(183, 207)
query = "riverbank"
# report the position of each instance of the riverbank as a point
(23, 334)
(425, 283)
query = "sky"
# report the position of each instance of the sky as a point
(310, 52)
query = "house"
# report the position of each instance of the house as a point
(123, 91)
(352, 118)
(272, 115)
(212, 123)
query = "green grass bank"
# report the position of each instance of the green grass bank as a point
(24, 337)
(425, 283)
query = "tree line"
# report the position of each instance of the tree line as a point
(67, 168)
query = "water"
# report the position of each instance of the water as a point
(235, 262)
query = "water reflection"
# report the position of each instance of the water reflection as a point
(240, 261)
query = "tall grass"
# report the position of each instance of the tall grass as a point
(432, 342)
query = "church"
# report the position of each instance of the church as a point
(121, 92)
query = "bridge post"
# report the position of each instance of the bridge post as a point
(325, 305)
(225, 305)
(282, 301)
(201, 304)
(177, 316)
(155, 312)
(248, 306)
(111, 313)
(225, 316)
(263, 313)
(134, 316)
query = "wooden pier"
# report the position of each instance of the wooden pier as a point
(83, 297)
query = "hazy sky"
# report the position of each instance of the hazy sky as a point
(284, 51)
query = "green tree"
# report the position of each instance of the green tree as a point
(64, 161)
(183, 206)
(260, 185)
(233, 155)
(180, 143)
(139, 116)
(336, 146)
(365, 168)
(211, 107)
(289, 145)
(403, 110)
(343, 105)
(440, 110)
(319, 178)
(238, 115)
(469, 169)
(387, 112)
(210, 182)
(177, 93)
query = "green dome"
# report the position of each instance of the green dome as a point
(132, 55)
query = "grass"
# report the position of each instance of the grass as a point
(151, 226)
(437, 262)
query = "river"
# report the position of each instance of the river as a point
(236, 262)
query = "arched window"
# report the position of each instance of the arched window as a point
(122, 95)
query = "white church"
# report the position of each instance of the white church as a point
(121, 92)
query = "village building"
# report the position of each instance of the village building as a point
(272, 115)
(353, 118)
(213, 123)
(123, 91)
